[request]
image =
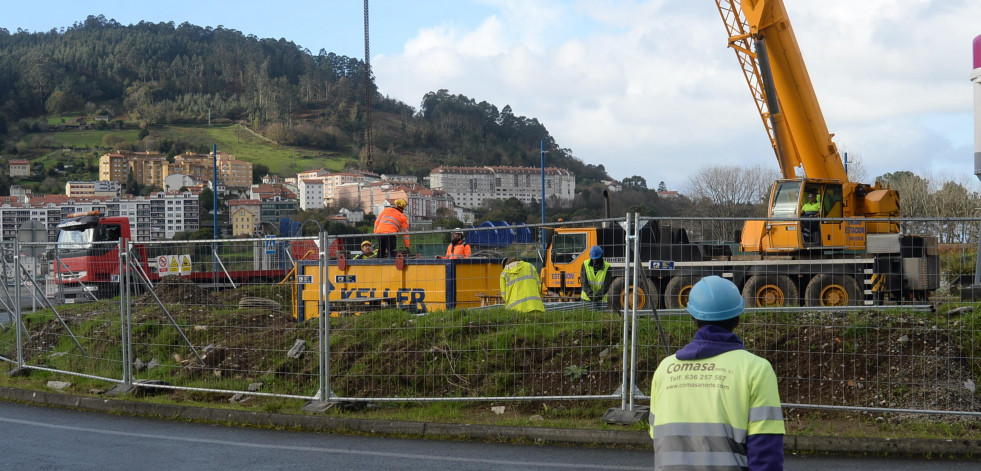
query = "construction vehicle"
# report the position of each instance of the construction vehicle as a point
(854, 219)
(85, 263)
(848, 251)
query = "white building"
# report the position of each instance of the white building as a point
(470, 187)
(93, 189)
(311, 193)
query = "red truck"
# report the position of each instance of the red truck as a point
(85, 264)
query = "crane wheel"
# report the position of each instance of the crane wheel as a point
(770, 291)
(620, 294)
(832, 290)
(676, 292)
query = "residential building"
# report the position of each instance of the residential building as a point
(335, 180)
(373, 197)
(273, 209)
(243, 216)
(20, 168)
(233, 173)
(470, 187)
(156, 217)
(173, 212)
(92, 189)
(311, 194)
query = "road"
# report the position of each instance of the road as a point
(41, 438)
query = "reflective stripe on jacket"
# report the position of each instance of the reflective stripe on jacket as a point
(390, 221)
(521, 288)
(595, 279)
(703, 411)
(461, 250)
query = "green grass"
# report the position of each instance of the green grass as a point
(93, 138)
(245, 145)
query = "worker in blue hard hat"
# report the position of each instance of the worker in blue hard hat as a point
(713, 401)
(594, 279)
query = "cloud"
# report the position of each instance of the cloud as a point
(649, 88)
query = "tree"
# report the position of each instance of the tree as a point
(662, 186)
(635, 182)
(914, 192)
(259, 171)
(729, 191)
(207, 200)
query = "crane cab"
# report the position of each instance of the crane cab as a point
(805, 214)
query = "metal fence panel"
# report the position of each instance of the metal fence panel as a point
(229, 305)
(883, 329)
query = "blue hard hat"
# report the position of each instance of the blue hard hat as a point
(715, 298)
(595, 252)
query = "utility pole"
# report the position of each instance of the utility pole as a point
(368, 161)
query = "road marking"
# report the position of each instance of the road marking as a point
(535, 464)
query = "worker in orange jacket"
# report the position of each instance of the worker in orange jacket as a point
(391, 221)
(458, 248)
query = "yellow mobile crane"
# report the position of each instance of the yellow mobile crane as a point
(761, 35)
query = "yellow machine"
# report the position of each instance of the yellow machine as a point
(413, 285)
(763, 39)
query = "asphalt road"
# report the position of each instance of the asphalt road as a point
(45, 438)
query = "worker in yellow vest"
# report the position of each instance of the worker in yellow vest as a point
(715, 405)
(521, 287)
(594, 279)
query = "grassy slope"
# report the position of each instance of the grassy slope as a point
(246, 145)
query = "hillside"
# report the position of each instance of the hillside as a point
(153, 77)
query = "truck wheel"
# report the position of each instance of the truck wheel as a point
(646, 294)
(676, 293)
(832, 290)
(770, 291)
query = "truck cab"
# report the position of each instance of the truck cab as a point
(568, 249)
(86, 257)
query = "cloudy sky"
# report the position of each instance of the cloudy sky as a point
(645, 88)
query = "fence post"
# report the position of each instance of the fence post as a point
(324, 393)
(633, 308)
(18, 312)
(624, 380)
(124, 312)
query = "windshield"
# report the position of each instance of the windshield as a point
(568, 247)
(83, 239)
(786, 200)
(76, 239)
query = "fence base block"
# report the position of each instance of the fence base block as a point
(318, 407)
(971, 293)
(19, 371)
(617, 416)
(120, 390)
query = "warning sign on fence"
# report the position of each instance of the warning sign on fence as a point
(174, 265)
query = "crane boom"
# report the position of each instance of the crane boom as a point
(761, 35)
(792, 114)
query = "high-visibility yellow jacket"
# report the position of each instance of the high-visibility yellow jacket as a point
(704, 411)
(594, 282)
(392, 220)
(521, 288)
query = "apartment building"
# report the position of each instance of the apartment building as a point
(423, 203)
(152, 169)
(244, 215)
(102, 189)
(311, 194)
(470, 187)
(20, 168)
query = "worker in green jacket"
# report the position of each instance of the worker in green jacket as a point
(594, 279)
(811, 230)
(715, 405)
(521, 287)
